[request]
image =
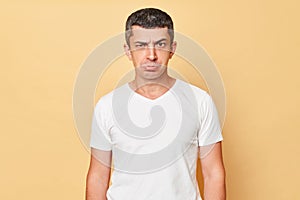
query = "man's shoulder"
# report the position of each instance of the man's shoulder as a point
(107, 99)
(198, 92)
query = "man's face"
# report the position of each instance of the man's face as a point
(150, 51)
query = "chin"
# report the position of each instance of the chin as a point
(152, 75)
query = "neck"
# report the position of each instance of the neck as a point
(152, 88)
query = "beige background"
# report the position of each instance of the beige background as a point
(255, 45)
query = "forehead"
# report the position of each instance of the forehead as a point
(140, 33)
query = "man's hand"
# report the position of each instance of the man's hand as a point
(98, 176)
(214, 174)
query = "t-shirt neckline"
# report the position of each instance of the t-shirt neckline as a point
(156, 99)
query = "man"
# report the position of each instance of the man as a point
(154, 127)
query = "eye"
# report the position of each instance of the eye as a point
(140, 45)
(161, 44)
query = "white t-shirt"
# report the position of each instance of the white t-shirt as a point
(155, 143)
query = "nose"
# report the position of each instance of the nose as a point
(151, 54)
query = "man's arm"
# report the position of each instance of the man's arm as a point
(214, 174)
(98, 176)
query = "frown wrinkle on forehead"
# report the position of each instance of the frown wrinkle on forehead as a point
(149, 35)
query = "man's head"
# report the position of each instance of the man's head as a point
(149, 18)
(150, 45)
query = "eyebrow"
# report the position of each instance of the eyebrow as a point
(140, 42)
(161, 40)
(156, 42)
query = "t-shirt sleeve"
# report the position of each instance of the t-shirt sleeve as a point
(209, 129)
(100, 138)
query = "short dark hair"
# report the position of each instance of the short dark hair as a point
(149, 18)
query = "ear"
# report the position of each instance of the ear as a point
(127, 51)
(173, 49)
